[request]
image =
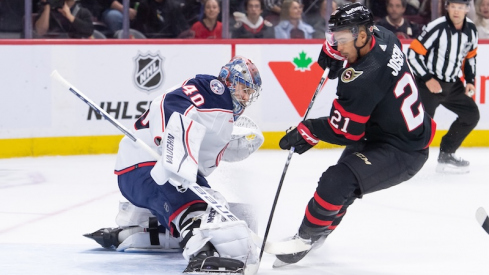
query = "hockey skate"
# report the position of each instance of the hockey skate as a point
(451, 164)
(312, 236)
(106, 237)
(208, 261)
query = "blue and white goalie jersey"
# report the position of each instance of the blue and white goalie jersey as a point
(203, 99)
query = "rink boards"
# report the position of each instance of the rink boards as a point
(123, 76)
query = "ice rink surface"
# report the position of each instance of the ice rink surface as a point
(424, 226)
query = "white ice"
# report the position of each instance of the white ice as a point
(424, 226)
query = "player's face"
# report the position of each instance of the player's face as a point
(457, 12)
(346, 45)
(243, 93)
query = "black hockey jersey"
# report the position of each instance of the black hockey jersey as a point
(377, 101)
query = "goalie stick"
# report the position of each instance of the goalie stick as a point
(199, 191)
(292, 245)
(482, 218)
(272, 248)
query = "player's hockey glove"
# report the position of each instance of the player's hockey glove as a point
(299, 137)
(332, 59)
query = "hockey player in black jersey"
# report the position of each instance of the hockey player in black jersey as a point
(378, 116)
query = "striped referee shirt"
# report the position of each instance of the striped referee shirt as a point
(443, 52)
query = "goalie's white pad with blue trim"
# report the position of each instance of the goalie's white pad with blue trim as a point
(180, 146)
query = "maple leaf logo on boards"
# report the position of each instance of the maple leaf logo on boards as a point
(299, 79)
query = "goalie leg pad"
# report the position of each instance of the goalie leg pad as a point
(131, 215)
(231, 239)
(141, 241)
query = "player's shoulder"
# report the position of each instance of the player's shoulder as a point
(207, 84)
(209, 91)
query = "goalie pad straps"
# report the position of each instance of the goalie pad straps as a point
(180, 151)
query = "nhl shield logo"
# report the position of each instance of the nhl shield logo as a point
(148, 74)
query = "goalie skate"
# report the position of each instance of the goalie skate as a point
(106, 237)
(202, 264)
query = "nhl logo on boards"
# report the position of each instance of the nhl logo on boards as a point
(148, 74)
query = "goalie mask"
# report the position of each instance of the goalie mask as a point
(242, 78)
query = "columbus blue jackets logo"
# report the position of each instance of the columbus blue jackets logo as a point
(217, 87)
(148, 74)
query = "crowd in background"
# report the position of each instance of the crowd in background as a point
(284, 19)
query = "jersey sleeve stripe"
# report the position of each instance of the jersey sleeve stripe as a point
(417, 47)
(352, 116)
(162, 112)
(472, 53)
(346, 135)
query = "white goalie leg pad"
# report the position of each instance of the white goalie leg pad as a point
(131, 215)
(180, 151)
(246, 138)
(141, 241)
(232, 239)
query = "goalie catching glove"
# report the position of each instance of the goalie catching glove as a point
(245, 140)
(300, 137)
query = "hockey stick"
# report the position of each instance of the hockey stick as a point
(199, 191)
(482, 218)
(284, 247)
(289, 157)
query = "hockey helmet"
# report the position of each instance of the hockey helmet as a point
(349, 17)
(241, 70)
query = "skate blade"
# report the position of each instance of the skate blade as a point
(278, 263)
(451, 169)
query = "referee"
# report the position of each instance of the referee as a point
(446, 49)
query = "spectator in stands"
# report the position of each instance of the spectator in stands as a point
(482, 18)
(68, 20)
(395, 21)
(252, 24)
(112, 14)
(291, 24)
(272, 10)
(379, 10)
(425, 10)
(320, 23)
(161, 19)
(209, 26)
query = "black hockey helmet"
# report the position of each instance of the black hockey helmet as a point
(350, 16)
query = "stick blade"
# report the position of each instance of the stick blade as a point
(482, 218)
